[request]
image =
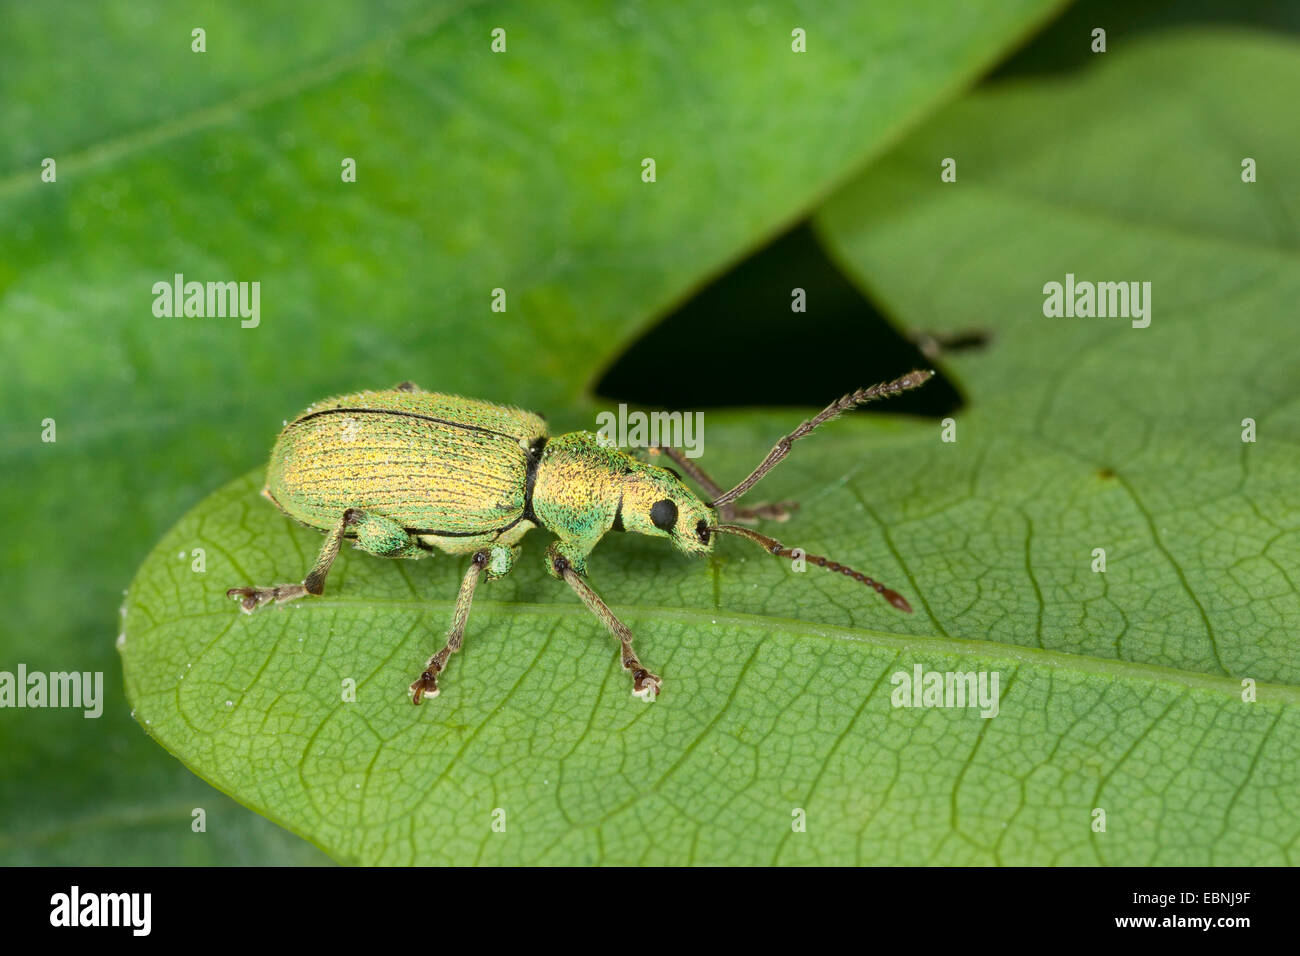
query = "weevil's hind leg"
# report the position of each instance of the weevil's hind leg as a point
(779, 511)
(375, 534)
(644, 684)
(251, 598)
(496, 561)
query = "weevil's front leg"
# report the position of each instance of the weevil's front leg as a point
(375, 534)
(569, 569)
(780, 511)
(496, 561)
(692, 470)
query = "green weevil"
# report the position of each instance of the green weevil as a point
(403, 472)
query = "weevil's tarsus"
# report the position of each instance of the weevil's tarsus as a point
(426, 685)
(250, 598)
(644, 684)
(911, 380)
(772, 546)
(933, 345)
(778, 511)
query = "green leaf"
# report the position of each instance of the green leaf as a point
(476, 171)
(1088, 432)
(1120, 692)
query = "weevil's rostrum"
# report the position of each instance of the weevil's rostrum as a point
(405, 472)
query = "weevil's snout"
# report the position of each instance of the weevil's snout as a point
(686, 521)
(656, 502)
(693, 532)
(692, 522)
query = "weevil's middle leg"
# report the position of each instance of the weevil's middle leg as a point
(496, 561)
(644, 684)
(779, 511)
(426, 685)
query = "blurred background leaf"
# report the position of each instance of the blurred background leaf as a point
(519, 171)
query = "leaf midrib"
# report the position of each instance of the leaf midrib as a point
(934, 644)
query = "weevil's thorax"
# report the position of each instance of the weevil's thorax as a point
(584, 489)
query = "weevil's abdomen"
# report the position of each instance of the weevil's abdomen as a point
(448, 469)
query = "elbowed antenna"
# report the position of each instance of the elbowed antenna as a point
(772, 546)
(913, 379)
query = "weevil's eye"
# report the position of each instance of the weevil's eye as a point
(702, 531)
(663, 514)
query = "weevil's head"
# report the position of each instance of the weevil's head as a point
(583, 489)
(656, 502)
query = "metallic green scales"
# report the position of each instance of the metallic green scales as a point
(439, 465)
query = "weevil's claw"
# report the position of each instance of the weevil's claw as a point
(426, 685)
(250, 599)
(645, 685)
